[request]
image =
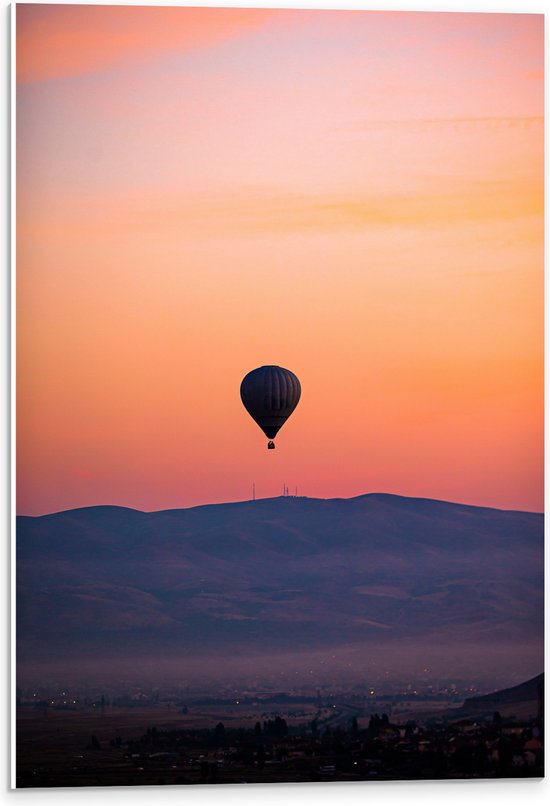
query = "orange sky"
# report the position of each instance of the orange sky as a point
(356, 196)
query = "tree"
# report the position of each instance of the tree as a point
(276, 727)
(374, 726)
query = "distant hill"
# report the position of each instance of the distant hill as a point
(530, 692)
(517, 703)
(285, 575)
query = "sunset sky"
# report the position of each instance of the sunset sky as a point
(357, 196)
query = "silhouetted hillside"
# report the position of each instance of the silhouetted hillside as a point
(284, 574)
(530, 691)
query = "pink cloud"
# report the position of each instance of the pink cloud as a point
(55, 41)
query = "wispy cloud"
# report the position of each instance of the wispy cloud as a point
(425, 124)
(65, 41)
(445, 201)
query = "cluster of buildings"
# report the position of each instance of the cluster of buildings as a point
(386, 751)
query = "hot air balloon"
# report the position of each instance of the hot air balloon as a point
(270, 394)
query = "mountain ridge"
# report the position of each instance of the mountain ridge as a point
(378, 495)
(287, 574)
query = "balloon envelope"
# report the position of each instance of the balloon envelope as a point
(270, 394)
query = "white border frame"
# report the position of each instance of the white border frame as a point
(392, 793)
